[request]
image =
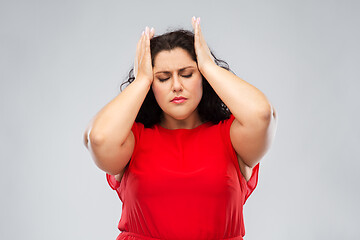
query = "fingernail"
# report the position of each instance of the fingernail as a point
(152, 29)
(142, 33)
(193, 18)
(198, 20)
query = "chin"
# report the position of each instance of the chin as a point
(179, 117)
(180, 114)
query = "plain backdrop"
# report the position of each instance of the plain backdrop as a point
(62, 61)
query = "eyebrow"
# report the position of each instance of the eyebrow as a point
(180, 70)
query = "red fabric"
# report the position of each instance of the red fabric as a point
(183, 184)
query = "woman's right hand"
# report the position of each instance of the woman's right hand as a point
(142, 66)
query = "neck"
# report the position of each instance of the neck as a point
(191, 122)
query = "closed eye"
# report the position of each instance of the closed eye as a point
(187, 76)
(163, 79)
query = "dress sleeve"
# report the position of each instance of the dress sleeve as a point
(113, 183)
(252, 183)
(247, 186)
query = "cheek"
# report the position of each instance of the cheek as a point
(158, 92)
(198, 88)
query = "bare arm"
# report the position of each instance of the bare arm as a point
(108, 136)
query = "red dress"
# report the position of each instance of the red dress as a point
(183, 184)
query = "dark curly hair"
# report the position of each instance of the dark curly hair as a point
(211, 107)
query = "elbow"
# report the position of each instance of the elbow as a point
(86, 140)
(92, 138)
(96, 139)
(267, 113)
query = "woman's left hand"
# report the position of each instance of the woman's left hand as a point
(202, 51)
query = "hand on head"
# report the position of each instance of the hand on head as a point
(202, 50)
(142, 65)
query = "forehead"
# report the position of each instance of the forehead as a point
(173, 60)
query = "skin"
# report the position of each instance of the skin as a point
(252, 132)
(175, 75)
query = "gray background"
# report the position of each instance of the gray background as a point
(62, 61)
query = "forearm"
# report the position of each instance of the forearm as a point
(245, 101)
(117, 117)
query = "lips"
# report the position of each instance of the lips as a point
(178, 99)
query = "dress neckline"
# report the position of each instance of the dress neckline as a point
(205, 124)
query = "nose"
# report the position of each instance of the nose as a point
(176, 85)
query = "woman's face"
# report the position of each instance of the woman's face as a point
(177, 84)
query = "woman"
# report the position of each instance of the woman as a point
(181, 144)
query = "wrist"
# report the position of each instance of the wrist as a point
(207, 67)
(144, 79)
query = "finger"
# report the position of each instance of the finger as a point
(199, 30)
(196, 25)
(138, 46)
(152, 32)
(200, 35)
(193, 20)
(147, 38)
(137, 54)
(139, 42)
(147, 42)
(142, 47)
(196, 31)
